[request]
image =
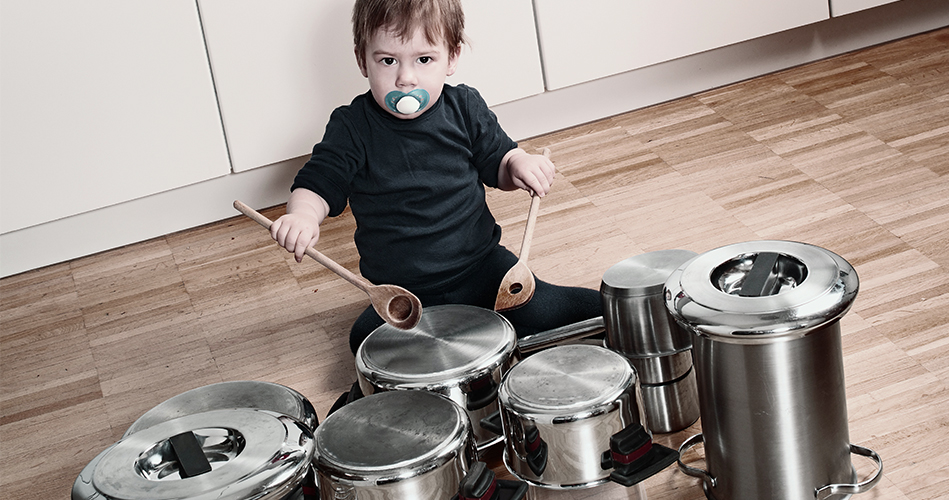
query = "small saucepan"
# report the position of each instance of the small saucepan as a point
(406, 445)
(572, 419)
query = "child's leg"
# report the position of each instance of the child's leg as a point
(554, 306)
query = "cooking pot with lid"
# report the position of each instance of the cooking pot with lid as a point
(765, 321)
(572, 419)
(406, 445)
(457, 351)
(237, 454)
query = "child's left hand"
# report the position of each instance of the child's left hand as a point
(521, 170)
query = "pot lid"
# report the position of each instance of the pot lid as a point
(450, 342)
(231, 395)
(565, 381)
(395, 434)
(220, 454)
(643, 274)
(761, 291)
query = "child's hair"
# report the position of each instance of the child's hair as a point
(440, 20)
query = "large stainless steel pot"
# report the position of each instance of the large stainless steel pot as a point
(769, 365)
(405, 445)
(572, 420)
(457, 351)
(237, 454)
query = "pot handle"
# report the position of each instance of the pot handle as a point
(564, 334)
(848, 489)
(702, 474)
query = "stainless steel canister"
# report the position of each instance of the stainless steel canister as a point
(458, 351)
(765, 318)
(639, 326)
(637, 322)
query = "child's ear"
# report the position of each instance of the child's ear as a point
(361, 62)
(453, 57)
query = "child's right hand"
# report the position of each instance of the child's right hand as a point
(299, 229)
(296, 233)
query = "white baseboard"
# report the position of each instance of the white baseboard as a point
(210, 201)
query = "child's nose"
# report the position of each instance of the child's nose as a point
(406, 76)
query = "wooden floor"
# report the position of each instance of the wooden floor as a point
(851, 154)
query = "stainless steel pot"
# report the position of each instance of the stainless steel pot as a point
(637, 322)
(406, 445)
(769, 365)
(457, 351)
(671, 406)
(223, 455)
(572, 419)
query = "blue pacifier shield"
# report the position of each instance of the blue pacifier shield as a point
(407, 103)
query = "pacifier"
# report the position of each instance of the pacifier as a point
(407, 103)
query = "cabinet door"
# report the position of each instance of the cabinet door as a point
(280, 68)
(597, 38)
(843, 7)
(502, 59)
(103, 101)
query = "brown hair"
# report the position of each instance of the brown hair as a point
(438, 19)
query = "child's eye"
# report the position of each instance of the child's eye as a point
(388, 61)
(424, 60)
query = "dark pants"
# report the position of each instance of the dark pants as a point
(552, 306)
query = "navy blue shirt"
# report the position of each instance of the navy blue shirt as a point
(415, 187)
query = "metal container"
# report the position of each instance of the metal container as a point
(238, 454)
(671, 406)
(637, 322)
(458, 351)
(406, 445)
(572, 420)
(769, 365)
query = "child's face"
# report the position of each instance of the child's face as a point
(403, 66)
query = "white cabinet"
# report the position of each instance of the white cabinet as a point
(103, 101)
(844, 7)
(280, 68)
(585, 41)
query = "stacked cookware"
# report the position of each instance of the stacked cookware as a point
(765, 322)
(570, 416)
(639, 327)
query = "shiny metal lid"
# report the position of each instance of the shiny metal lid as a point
(761, 291)
(252, 454)
(565, 381)
(643, 274)
(231, 395)
(388, 435)
(451, 343)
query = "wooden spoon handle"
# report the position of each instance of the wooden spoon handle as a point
(312, 252)
(529, 229)
(531, 221)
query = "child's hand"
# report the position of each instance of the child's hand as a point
(296, 233)
(521, 170)
(299, 229)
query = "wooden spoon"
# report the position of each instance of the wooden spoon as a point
(517, 286)
(394, 304)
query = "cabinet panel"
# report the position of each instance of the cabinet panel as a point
(280, 68)
(844, 7)
(606, 37)
(103, 101)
